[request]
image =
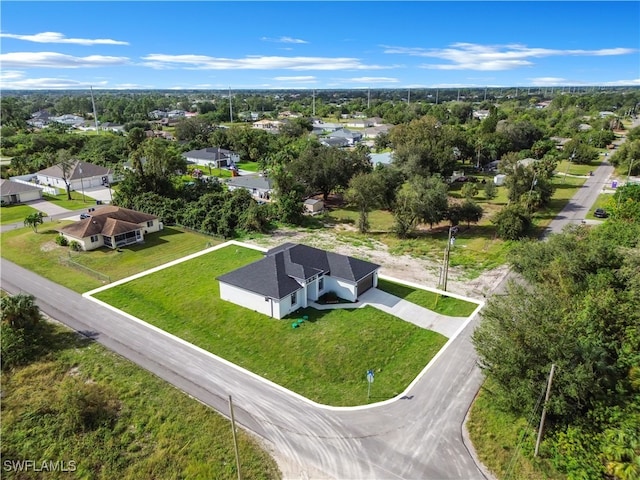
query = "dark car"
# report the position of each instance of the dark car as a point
(600, 213)
(84, 215)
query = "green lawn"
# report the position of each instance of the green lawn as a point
(433, 301)
(380, 220)
(148, 429)
(15, 213)
(39, 253)
(601, 202)
(505, 443)
(249, 166)
(566, 167)
(566, 188)
(326, 359)
(76, 202)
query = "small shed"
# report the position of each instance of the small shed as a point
(313, 205)
(499, 179)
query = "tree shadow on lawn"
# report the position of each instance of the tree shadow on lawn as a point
(49, 338)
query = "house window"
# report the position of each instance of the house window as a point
(150, 223)
(321, 284)
(294, 298)
(94, 238)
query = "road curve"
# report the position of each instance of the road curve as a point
(417, 437)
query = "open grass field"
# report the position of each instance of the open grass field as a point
(79, 402)
(602, 201)
(505, 443)
(39, 253)
(326, 359)
(15, 213)
(76, 202)
(570, 168)
(433, 301)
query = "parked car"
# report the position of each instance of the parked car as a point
(84, 215)
(600, 213)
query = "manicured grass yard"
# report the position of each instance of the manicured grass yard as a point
(15, 213)
(76, 202)
(602, 201)
(39, 253)
(326, 359)
(433, 301)
(249, 166)
(143, 427)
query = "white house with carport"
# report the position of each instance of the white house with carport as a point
(215, 157)
(111, 227)
(80, 175)
(17, 192)
(292, 275)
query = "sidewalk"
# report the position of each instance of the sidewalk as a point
(407, 311)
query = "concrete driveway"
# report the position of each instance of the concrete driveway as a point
(99, 193)
(405, 310)
(49, 208)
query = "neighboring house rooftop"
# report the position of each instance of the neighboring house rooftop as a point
(251, 181)
(78, 170)
(109, 221)
(7, 187)
(209, 153)
(275, 275)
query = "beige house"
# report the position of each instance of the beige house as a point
(111, 227)
(18, 192)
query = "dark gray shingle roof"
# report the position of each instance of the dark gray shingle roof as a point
(273, 276)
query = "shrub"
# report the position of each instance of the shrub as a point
(75, 246)
(62, 240)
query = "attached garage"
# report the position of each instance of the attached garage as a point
(365, 284)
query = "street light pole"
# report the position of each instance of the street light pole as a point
(81, 182)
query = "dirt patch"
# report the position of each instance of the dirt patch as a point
(419, 270)
(49, 246)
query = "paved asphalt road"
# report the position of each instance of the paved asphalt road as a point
(416, 437)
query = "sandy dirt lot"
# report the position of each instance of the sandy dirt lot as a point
(419, 270)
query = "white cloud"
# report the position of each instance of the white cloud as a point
(374, 80)
(49, 84)
(548, 81)
(254, 62)
(283, 40)
(56, 37)
(57, 60)
(10, 75)
(471, 56)
(308, 78)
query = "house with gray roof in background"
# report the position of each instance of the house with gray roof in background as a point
(81, 175)
(292, 276)
(215, 157)
(260, 187)
(18, 192)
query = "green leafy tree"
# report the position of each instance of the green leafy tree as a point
(33, 220)
(490, 190)
(512, 222)
(470, 212)
(365, 192)
(469, 190)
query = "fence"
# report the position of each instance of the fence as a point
(70, 262)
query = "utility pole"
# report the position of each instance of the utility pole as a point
(95, 116)
(444, 275)
(235, 440)
(544, 409)
(368, 98)
(230, 106)
(437, 92)
(314, 104)
(409, 97)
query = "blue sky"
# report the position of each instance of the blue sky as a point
(317, 45)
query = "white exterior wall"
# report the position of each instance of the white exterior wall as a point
(249, 300)
(342, 288)
(153, 228)
(86, 243)
(285, 307)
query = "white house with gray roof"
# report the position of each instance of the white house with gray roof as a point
(258, 186)
(292, 275)
(215, 156)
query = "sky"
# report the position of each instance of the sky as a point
(317, 44)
